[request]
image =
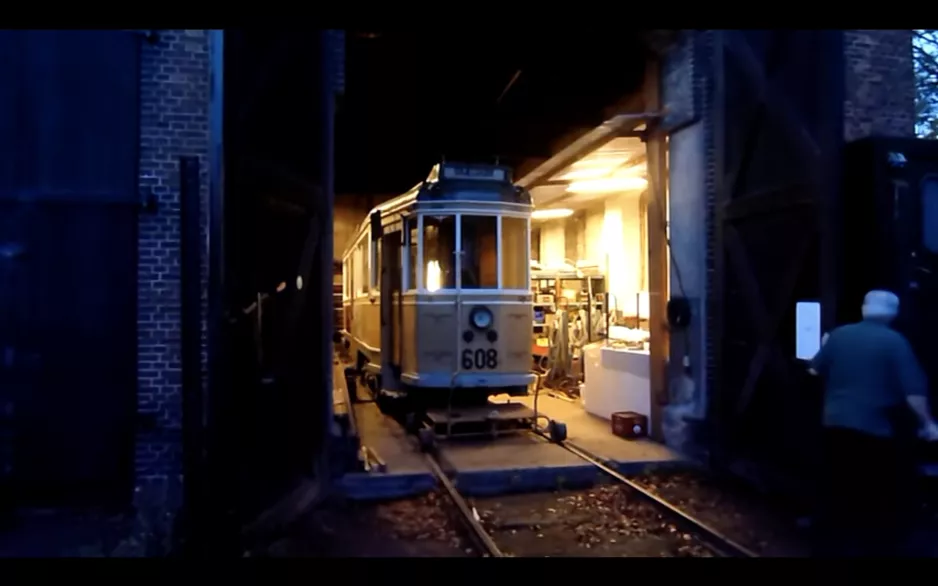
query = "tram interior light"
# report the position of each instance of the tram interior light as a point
(433, 276)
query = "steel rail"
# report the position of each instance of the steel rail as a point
(479, 534)
(722, 543)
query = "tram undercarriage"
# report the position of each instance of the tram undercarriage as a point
(441, 414)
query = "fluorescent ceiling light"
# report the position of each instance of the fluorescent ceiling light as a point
(606, 167)
(551, 214)
(607, 185)
(587, 173)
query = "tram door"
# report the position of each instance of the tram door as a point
(391, 309)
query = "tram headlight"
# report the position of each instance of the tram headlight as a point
(481, 318)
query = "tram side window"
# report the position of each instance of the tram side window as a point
(439, 248)
(345, 280)
(376, 265)
(361, 275)
(412, 255)
(515, 253)
(930, 214)
(479, 252)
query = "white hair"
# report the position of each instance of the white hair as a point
(880, 305)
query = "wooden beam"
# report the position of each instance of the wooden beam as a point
(586, 144)
(766, 322)
(755, 73)
(780, 199)
(746, 151)
(656, 152)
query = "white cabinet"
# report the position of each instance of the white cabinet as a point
(616, 380)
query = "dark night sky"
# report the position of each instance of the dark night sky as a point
(411, 98)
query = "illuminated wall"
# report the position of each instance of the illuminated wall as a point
(612, 235)
(553, 243)
(622, 243)
(595, 248)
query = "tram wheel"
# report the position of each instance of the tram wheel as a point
(427, 439)
(412, 422)
(557, 431)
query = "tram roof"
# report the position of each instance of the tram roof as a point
(459, 181)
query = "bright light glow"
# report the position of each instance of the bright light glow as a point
(433, 276)
(551, 214)
(602, 159)
(587, 173)
(607, 185)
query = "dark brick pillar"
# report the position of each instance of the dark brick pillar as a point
(880, 84)
(174, 95)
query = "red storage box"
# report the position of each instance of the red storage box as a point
(629, 425)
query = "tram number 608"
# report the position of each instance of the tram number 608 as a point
(480, 359)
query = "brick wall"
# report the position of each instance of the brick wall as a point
(880, 83)
(174, 93)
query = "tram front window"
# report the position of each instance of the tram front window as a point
(479, 252)
(439, 246)
(515, 241)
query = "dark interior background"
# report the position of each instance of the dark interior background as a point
(408, 100)
(412, 98)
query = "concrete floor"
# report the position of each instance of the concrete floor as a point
(406, 472)
(389, 440)
(594, 435)
(510, 463)
(525, 463)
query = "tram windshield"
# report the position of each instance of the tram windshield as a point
(515, 263)
(479, 243)
(480, 249)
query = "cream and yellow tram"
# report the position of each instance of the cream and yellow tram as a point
(437, 299)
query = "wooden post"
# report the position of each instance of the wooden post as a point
(656, 148)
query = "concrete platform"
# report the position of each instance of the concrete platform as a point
(514, 463)
(594, 435)
(405, 469)
(524, 463)
(508, 464)
(406, 473)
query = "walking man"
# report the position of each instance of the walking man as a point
(873, 383)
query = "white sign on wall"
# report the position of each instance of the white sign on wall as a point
(807, 329)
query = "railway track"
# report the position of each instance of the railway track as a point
(714, 541)
(485, 544)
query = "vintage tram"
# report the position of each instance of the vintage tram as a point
(436, 291)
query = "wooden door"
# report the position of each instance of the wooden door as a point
(778, 136)
(69, 111)
(390, 308)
